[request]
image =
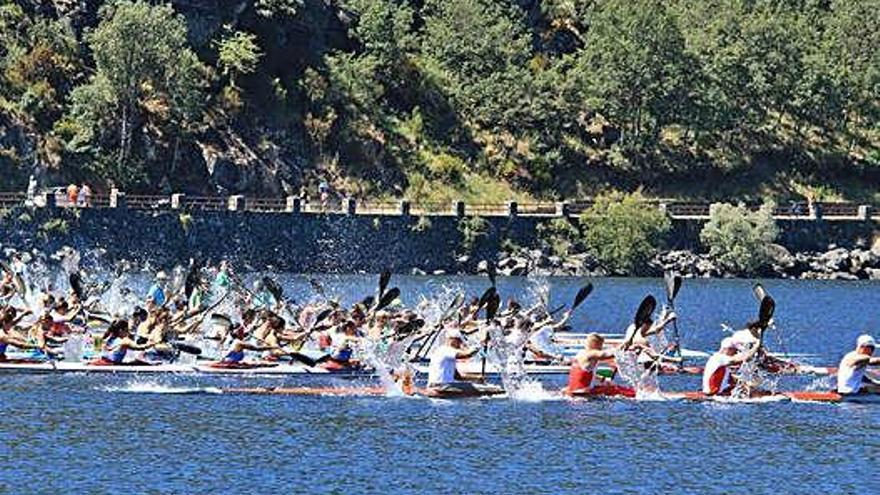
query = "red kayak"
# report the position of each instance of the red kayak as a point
(603, 390)
(242, 365)
(803, 396)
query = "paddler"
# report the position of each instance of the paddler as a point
(117, 342)
(642, 341)
(8, 320)
(235, 354)
(717, 376)
(851, 377)
(442, 374)
(583, 366)
(156, 293)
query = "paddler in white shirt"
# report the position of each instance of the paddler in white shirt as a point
(639, 341)
(851, 378)
(748, 337)
(442, 374)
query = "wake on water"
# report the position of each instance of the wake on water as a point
(153, 387)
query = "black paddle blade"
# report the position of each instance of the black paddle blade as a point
(274, 289)
(486, 297)
(492, 306)
(316, 286)
(581, 295)
(76, 285)
(646, 309)
(384, 278)
(388, 298)
(187, 348)
(673, 285)
(768, 307)
(555, 310)
(491, 272)
(759, 292)
(323, 316)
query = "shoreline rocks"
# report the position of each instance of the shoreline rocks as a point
(837, 263)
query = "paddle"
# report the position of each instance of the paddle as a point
(673, 285)
(384, 278)
(75, 281)
(431, 336)
(387, 298)
(759, 292)
(187, 348)
(317, 287)
(765, 312)
(274, 289)
(643, 314)
(491, 310)
(192, 279)
(491, 272)
(581, 295)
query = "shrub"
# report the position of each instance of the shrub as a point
(55, 225)
(739, 238)
(559, 235)
(623, 233)
(422, 224)
(471, 230)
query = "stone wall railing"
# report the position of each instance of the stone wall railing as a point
(349, 206)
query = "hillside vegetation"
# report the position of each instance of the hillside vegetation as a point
(483, 100)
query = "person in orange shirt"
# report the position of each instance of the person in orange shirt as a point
(72, 194)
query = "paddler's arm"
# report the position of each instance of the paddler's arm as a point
(21, 316)
(131, 344)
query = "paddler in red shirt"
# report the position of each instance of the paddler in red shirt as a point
(583, 370)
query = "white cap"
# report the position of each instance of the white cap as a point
(728, 343)
(161, 275)
(866, 341)
(453, 333)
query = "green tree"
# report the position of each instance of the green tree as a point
(623, 232)
(634, 69)
(851, 45)
(480, 50)
(738, 238)
(238, 53)
(144, 70)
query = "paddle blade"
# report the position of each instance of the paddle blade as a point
(673, 285)
(453, 306)
(384, 278)
(187, 348)
(582, 295)
(273, 288)
(555, 310)
(388, 298)
(486, 297)
(76, 285)
(323, 316)
(646, 309)
(317, 287)
(491, 272)
(759, 292)
(492, 306)
(768, 307)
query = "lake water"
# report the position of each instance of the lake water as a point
(117, 434)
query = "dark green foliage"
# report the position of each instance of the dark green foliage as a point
(448, 99)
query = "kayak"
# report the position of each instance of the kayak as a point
(796, 396)
(473, 391)
(602, 391)
(42, 366)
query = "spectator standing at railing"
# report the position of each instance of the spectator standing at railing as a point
(72, 194)
(84, 198)
(32, 188)
(324, 193)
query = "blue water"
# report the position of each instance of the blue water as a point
(105, 434)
